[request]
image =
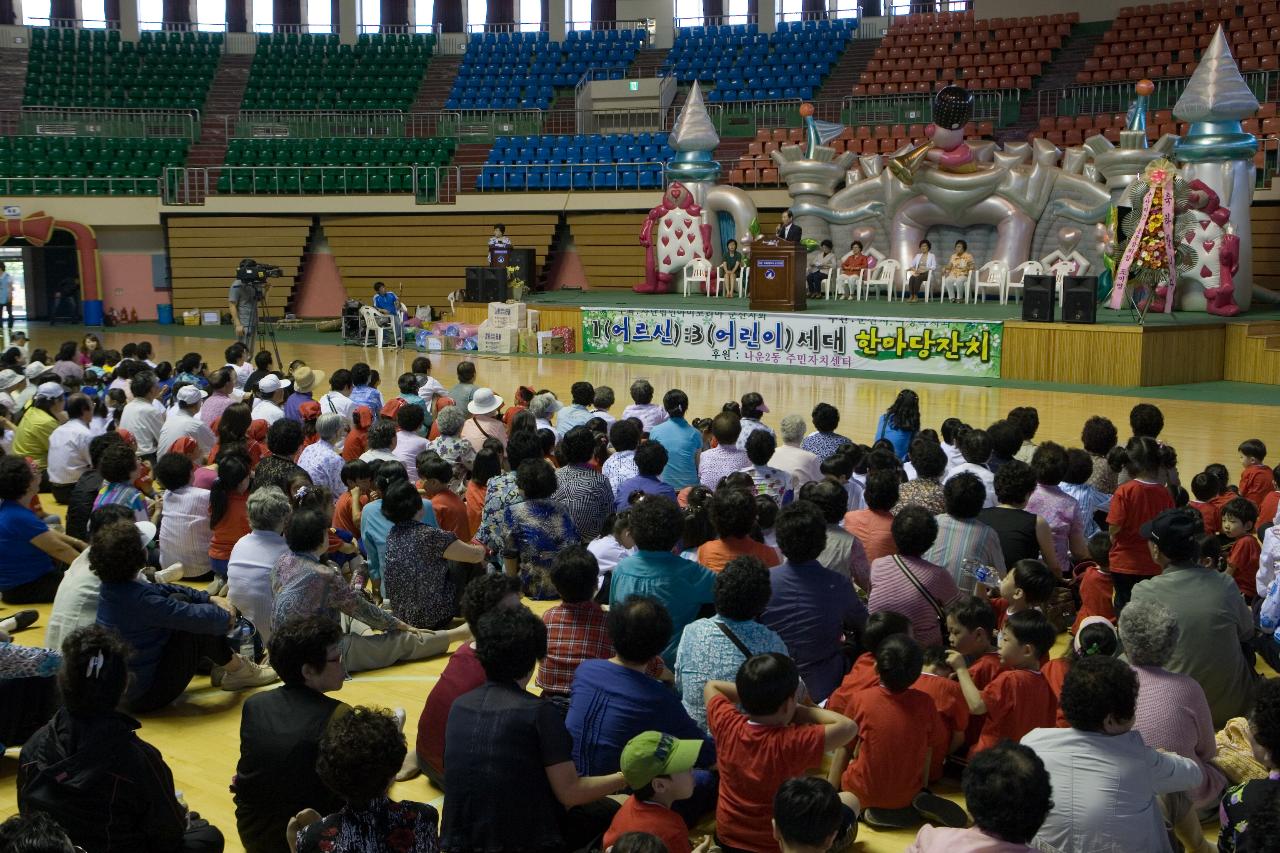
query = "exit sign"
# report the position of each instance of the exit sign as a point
(633, 85)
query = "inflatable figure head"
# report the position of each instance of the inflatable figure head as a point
(952, 109)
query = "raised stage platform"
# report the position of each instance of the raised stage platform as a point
(979, 341)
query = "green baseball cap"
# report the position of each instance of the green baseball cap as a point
(652, 754)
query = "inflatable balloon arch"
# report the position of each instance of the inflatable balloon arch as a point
(1162, 225)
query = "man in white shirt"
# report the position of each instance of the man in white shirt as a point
(141, 418)
(69, 448)
(338, 400)
(270, 402)
(382, 442)
(803, 466)
(32, 373)
(975, 446)
(184, 422)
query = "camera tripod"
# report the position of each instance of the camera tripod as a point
(264, 327)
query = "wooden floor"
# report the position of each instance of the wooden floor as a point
(199, 735)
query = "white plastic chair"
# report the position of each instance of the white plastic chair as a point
(743, 278)
(1021, 271)
(927, 286)
(697, 272)
(832, 269)
(375, 324)
(881, 275)
(965, 286)
(991, 275)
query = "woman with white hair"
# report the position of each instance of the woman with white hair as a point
(543, 407)
(251, 560)
(321, 459)
(803, 466)
(1172, 713)
(452, 447)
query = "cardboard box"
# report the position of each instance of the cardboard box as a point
(533, 318)
(210, 318)
(509, 314)
(191, 317)
(494, 337)
(428, 342)
(565, 334)
(527, 341)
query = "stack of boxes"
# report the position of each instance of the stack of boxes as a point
(510, 328)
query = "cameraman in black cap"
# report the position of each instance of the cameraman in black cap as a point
(1216, 624)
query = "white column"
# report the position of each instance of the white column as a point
(768, 14)
(129, 20)
(348, 21)
(557, 15)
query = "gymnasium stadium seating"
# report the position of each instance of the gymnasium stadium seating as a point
(94, 68)
(507, 71)
(315, 72)
(332, 166)
(85, 165)
(618, 161)
(991, 53)
(747, 65)
(1165, 40)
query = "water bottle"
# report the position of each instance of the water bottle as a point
(980, 573)
(243, 635)
(1269, 614)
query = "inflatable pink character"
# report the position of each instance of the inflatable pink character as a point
(673, 235)
(1217, 252)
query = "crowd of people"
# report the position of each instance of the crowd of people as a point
(756, 639)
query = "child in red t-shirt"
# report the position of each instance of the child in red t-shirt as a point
(897, 729)
(1238, 520)
(1029, 584)
(1096, 588)
(1206, 488)
(880, 626)
(1096, 636)
(953, 711)
(1019, 699)
(971, 627)
(659, 770)
(1134, 503)
(758, 748)
(1256, 480)
(450, 510)
(357, 475)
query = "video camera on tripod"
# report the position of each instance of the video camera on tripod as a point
(252, 272)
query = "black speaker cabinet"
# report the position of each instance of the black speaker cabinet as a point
(524, 260)
(486, 284)
(1038, 298)
(1080, 299)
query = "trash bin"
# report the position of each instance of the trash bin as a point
(164, 314)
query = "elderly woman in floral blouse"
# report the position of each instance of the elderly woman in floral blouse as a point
(321, 460)
(537, 529)
(452, 447)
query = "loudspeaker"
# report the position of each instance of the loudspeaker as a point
(1038, 298)
(1080, 299)
(486, 284)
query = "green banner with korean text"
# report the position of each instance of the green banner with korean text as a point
(961, 348)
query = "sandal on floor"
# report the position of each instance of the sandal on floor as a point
(940, 811)
(891, 818)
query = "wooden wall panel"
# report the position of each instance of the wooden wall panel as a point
(1265, 219)
(204, 252)
(1118, 356)
(608, 247)
(1253, 353)
(428, 254)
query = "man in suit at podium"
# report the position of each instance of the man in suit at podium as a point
(789, 230)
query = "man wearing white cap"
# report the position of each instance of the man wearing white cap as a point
(483, 424)
(183, 421)
(32, 371)
(268, 406)
(69, 448)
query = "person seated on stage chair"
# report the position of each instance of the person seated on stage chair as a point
(499, 240)
(820, 266)
(388, 303)
(956, 271)
(730, 267)
(924, 262)
(789, 230)
(854, 262)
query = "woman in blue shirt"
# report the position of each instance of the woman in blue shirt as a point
(900, 422)
(28, 547)
(682, 441)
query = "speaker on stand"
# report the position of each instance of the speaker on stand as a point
(1080, 299)
(1038, 298)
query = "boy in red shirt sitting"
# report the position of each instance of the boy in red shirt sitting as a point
(897, 727)
(1256, 480)
(357, 476)
(758, 748)
(1238, 520)
(953, 711)
(451, 513)
(880, 626)
(659, 770)
(1019, 699)
(1206, 488)
(1028, 585)
(971, 627)
(1097, 592)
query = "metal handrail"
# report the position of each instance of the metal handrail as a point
(67, 185)
(321, 172)
(1115, 97)
(185, 185)
(988, 105)
(38, 120)
(821, 14)
(912, 8)
(508, 27)
(399, 29)
(619, 24)
(71, 23)
(471, 174)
